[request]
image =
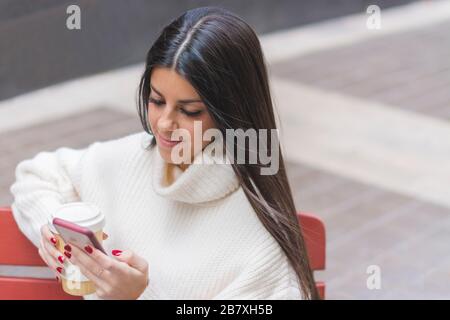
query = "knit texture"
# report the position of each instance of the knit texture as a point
(199, 234)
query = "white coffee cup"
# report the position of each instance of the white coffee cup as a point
(86, 215)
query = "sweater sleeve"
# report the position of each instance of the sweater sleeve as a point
(42, 184)
(269, 276)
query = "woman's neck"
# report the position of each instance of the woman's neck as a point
(170, 176)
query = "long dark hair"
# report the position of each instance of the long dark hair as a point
(221, 57)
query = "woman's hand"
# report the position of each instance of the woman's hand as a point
(48, 252)
(120, 278)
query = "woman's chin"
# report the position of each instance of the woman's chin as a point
(175, 155)
(166, 155)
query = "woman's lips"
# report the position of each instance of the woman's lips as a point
(167, 143)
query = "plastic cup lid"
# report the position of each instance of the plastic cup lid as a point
(82, 213)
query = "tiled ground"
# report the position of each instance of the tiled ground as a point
(406, 238)
(410, 70)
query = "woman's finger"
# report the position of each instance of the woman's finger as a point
(49, 244)
(54, 253)
(51, 262)
(48, 235)
(96, 276)
(45, 259)
(132, 259)
(89, 267)
(105, 262)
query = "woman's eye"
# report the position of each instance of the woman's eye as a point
(156, 101)
(191, 113)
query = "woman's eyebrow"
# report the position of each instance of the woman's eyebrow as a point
(183, 101)
(187, 101)
(153, 88)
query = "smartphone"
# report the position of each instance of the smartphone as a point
(76, 234)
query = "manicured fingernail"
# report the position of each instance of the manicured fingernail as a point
(88, 249)
(59, 269)
(61, 259)
(67, 248)
(67, 254)
(53, 240)
(116, 252)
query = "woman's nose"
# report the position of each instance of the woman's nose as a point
(167, 122)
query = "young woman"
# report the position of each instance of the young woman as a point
(180, 230)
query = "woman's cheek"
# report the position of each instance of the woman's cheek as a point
(152, 120)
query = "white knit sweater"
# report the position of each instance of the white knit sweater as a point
(200, 235)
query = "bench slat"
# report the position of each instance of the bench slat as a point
(12, 288)
(15, 248)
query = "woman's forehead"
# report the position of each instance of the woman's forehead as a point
(171, 84)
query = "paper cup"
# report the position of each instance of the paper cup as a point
(86, 215)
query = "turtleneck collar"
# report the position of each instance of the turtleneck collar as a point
(202, 181)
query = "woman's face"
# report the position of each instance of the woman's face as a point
(174, 104)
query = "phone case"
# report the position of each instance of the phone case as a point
(76, 234)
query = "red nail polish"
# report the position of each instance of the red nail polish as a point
(67, 248)
(67, 254)
(53, 240)
(61, 259)
(59, 269)
(116, 252)
(88, 249)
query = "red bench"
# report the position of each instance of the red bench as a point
(17, 250)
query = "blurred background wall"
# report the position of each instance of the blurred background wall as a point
(36, 51)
